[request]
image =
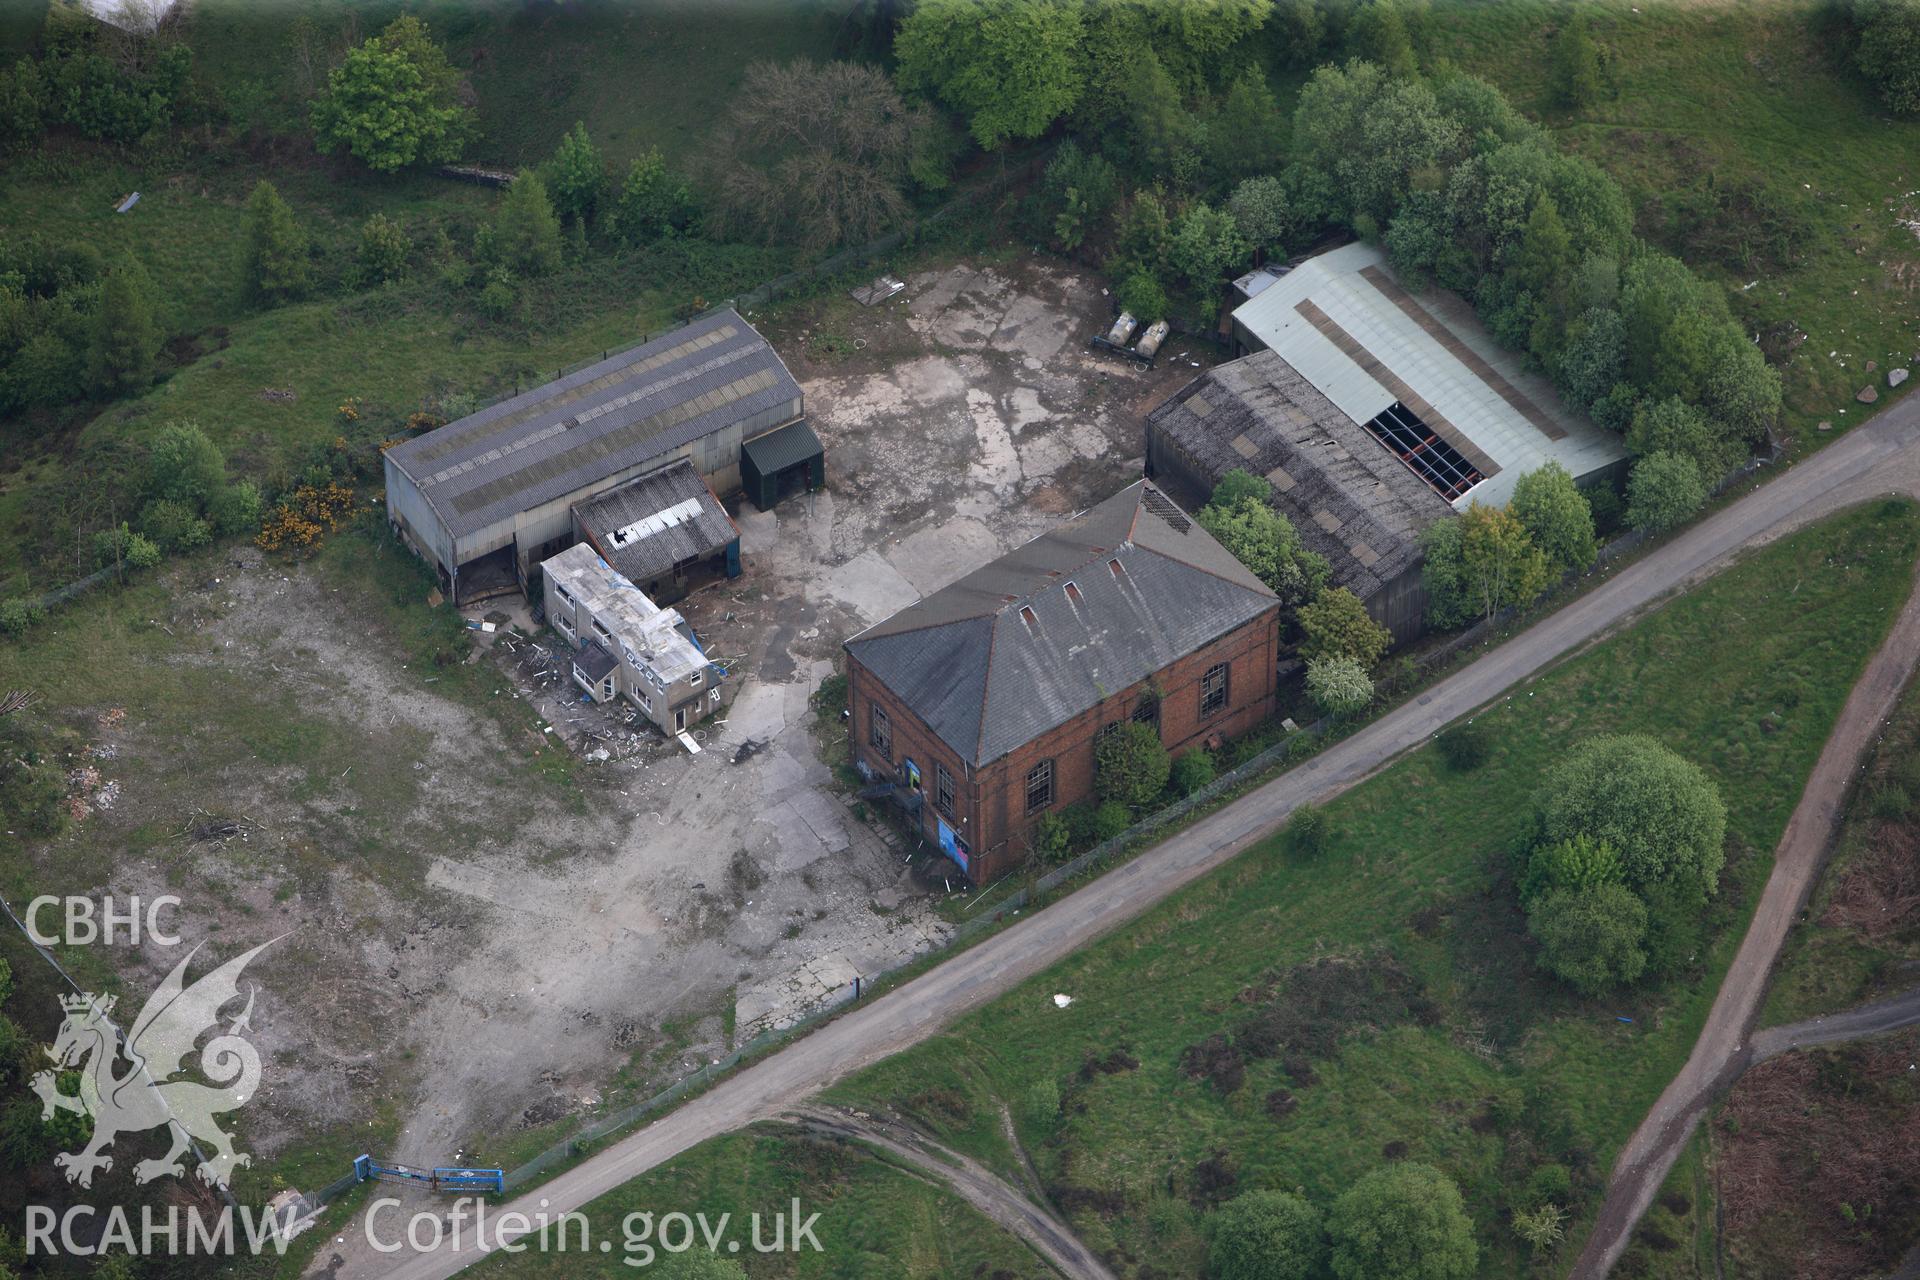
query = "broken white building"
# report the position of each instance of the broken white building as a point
(627, 646)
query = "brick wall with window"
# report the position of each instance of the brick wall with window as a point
(1222, 690)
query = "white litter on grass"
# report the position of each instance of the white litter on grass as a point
(1061, 1002)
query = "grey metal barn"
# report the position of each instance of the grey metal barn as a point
(1352, 501)
(488, 497)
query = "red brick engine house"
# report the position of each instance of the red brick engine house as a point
(982, 702)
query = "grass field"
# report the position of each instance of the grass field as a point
(1504, 1071)
(1743, 90)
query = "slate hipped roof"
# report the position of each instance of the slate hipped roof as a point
(1085, 611)
(1351, 501)
(616, 414)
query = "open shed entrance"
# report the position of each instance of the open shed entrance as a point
(783, 461)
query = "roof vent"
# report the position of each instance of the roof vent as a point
(1161, 505)
(1027, 616)
(1118, 570)
(1073, 593)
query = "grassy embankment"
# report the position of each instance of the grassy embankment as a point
(1761, 92)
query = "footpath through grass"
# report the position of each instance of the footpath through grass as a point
(1487, 1069)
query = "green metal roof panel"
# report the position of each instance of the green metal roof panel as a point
(784, 447)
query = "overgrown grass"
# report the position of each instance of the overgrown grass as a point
(875, 1220)
(1738, 91)
(1830, 961)
(1507, 1071)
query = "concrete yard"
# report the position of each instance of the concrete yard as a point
(474, 951)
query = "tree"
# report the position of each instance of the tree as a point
(1379, 34)
(1267, 1235)
(1450, 599)
(1337, 625)
(1574, 73)
(818, 153)
(1012, 67)
(275, 262)
(1498, 561)
(1129, 763)
(125, 337)
(385, 248)
(1338, 685)
(1663, 491)
(1259, 209)
(1660, 812)
(653, 201)
(1206, 244)
(22, 94)
(1889, 50)
(577, 176)
(1555, 514)
(526, 234)
(1402, 1222)
(1247, 135)
(1590, 938)
(184, 466)
(395, 102)
(1578, 862)
(275, 252)
(1266, 543)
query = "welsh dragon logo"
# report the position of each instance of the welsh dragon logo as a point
(146, 1094)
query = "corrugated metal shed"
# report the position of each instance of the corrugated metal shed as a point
(647, 526)
(1365, 343)
(1024, 644)
(610, 416)
(1351, 501)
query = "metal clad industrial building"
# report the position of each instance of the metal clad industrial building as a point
(505, 478)
(1369, 345)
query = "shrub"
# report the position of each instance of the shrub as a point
(1661, 813)
(1574, 72)
(1110, 818)
(235, 509)
(1191, 772)
(1130, 763)
(19, 614)
(500, 296)
(1052, 839)
(125, 337)
(184, 466)
(1540, 1227)
(1549, 1184)
(1465, 746)
(1040, 1104)
(1305, 835)
(1338, 685)
(1590, 938)
(652, 202)
(1141, 296)
(174, 526)
(125, 548)
(1402, 1222)
(385, 248)
(1889, 50)
(1267, 1235)
(301, 519)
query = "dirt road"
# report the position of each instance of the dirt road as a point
(1878, 458)
(1723, 1050)
(1045, 1234)
(1878, 1018)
